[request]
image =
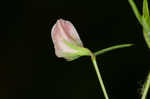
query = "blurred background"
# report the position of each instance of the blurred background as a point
(29, 68)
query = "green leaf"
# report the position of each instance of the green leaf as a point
(146, 24)
(144, 20)
(135, 10)
(111, 48)
(146, 31)
(145, 8)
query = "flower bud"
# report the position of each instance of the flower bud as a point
(64, 31)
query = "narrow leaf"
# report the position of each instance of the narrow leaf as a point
(146, 24)
(112, 48)
(145, 8)
(135, 10)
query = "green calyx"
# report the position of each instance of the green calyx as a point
(81, 51)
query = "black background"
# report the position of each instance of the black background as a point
(29, 68)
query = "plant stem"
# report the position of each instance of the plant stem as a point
(99, 76)
(146, 87)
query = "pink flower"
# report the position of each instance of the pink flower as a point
(64, 30)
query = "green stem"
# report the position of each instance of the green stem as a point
(99, 76)
(146, 87)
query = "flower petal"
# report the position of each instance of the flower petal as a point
(64, 30)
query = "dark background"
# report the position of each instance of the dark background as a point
(29, 68)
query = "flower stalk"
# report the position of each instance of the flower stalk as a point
(93, 58)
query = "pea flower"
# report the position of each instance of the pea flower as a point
(67, 42)
(68, 45)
